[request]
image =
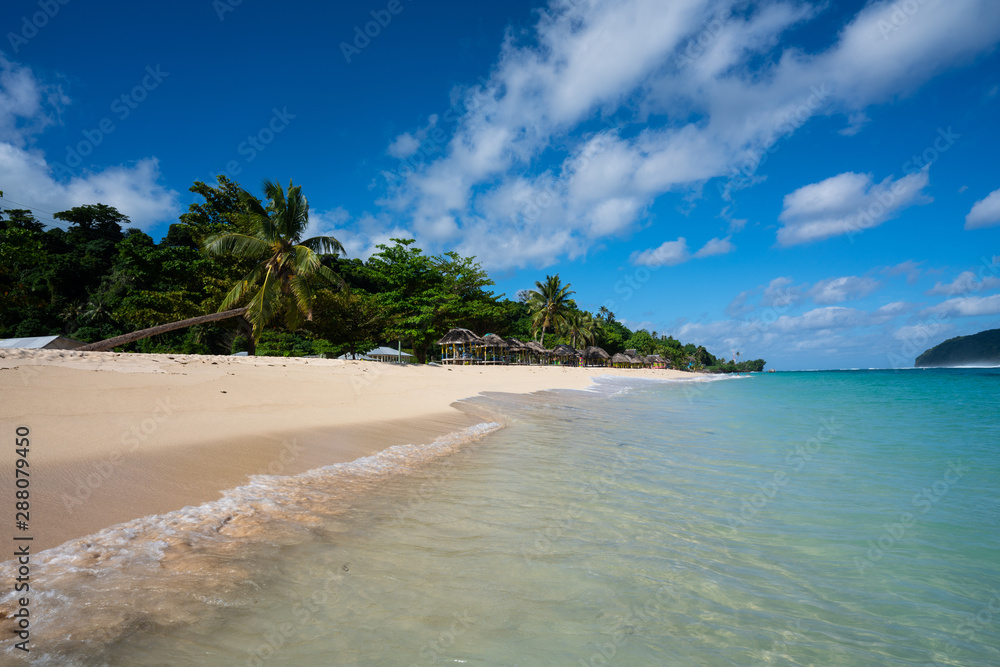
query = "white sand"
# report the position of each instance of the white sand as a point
(119, 436)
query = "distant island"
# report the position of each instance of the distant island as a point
(981, 349)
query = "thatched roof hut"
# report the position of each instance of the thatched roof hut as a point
(460, 337)
(536, 348)
(493, 340)
(594, 356)
(563, 351)
(514, 344)
(621, 359)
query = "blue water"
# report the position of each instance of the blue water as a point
(820, 518)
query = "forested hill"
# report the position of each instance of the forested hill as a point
(981, 349)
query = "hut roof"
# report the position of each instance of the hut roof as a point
(536, 347)
(620, 358)
(592, 352)
(563, 351)
(631, 353)
(387, 352)
(515, 344)
(42, 343)
(459, 336)
(493, 340)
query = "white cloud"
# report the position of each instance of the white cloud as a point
(831, 317)
(908, 268)
(634, 60)
(716, 247)
(985, 212)
(964, 283)
(781, 294)
(838, 290)
(856, 123)
(740, 305)
(407, 144)
(969, 306)
(26, 107)
(360, 237)
(668, 254)
(922, 332)
(404, 146)
(848, 203)
(893, 309)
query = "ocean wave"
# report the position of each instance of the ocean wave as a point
(204, 553)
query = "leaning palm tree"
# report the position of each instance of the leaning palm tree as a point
(549, 303)
(281, 283)
(286, 266)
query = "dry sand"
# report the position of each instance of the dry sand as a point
(120, 436)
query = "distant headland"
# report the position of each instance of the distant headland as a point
(981, 349)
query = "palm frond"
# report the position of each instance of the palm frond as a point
(251, 204)
(332, 276)
(304, 260)
(237, 245)
(264, 304)
(240, 289)
(325, 245)
(303, 293)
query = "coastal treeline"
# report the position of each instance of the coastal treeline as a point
(88, 275)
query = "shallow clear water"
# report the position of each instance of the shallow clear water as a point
(827, 518)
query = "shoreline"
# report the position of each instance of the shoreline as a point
(116, 437)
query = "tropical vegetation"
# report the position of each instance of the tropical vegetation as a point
(236, 273)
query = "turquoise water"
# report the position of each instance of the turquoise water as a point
(824, 518)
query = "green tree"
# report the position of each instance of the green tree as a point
(427, 295)
(549, 303)
(642, 342)
(580, 328)
(351, 319)
(282, 281)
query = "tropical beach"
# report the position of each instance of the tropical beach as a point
(127, 435)
(543, 332)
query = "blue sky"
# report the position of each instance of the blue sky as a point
(812, 183)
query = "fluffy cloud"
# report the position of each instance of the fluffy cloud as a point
(716, 247)
(831, 317)
(964, 283)
(524, 161)
(838, 290)
(969, 306)
(668, 254)
(848, 203)
(781, 294)
(676, 252)
(26, 107)
(985, 212)
(359, 236)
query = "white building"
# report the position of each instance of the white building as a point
(41, 343)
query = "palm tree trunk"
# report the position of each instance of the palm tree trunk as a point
(125, 339)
